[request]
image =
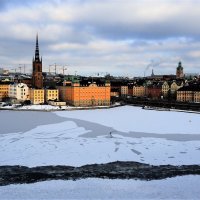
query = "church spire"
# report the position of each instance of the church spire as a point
(152, 73)
(37, 53)
(37, 78)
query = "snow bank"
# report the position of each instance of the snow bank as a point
(39, 107)
(175, 188)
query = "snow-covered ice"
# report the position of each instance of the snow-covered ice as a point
(129, 118)
(186, 187)
(83, 137)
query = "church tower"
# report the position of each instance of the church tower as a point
(37, 78)
(179, 71)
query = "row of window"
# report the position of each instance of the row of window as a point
(39, 98)
(50, 91)
(51, 95)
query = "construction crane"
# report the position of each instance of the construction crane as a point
(20, 69)
(22, 66)
(63, 68)
(55, 66)
(50, 68)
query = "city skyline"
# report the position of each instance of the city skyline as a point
(118, 37)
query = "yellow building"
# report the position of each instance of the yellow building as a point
(139, 91)
(37, 96)
(4, 88)
(165, 89)
(51, 95)
(197, 97)
(85, 94)
(185, 96)
(124, 90)
(174, 87)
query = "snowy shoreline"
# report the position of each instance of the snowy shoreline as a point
(49, 108)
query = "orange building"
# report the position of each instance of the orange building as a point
(85, 94)
(4, 87)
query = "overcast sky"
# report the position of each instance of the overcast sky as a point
(120, 37)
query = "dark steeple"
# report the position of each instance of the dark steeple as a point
(37, 53)
(37, 78)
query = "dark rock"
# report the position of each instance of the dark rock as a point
(114, 170)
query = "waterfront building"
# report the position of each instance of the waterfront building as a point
(114, 92)
(4, 88)
(19, 91)
(165, 89)
(175, 86)
(36, 96)
(197, 96)
(154, 91)
(139, 90)
(190, 93)
(51, 95)
(124, 90)
(83, 93)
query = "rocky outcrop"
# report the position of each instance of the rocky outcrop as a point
(114, 170)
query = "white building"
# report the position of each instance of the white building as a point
(19, 91)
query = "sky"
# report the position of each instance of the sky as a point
(90, 37)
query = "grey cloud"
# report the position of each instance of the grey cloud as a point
(93, 38)
(142, 31)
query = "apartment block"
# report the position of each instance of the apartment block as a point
(19, 91)
(85, 94)
(4, 88)
(36, 96)
(165, 89)
(139, 91)
(51, 95)
(124, 90)
(189, 94)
